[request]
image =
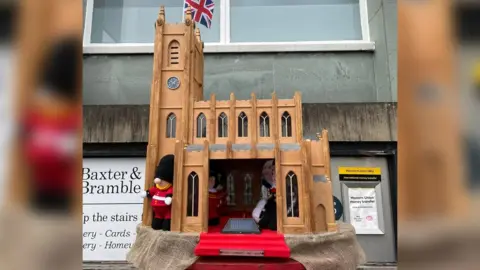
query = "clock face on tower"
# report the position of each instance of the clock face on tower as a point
(173, 83)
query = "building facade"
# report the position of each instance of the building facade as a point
(340, 54)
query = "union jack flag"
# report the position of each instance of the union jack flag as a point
(202, 11)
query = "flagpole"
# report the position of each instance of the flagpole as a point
(183, 10)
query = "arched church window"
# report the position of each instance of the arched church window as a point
(292, 195)
(201, 126)
(173, 53)
(264, 125)
(222, 125)
(242, 125)
(286, 125)
(192, 203)
(247, 192)
(171, 125)
(230, 189)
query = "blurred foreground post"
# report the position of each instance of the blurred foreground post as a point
(41, 24)
(431, 181)
(47, 110)
(32, 14)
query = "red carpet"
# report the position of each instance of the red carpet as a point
(268, 242)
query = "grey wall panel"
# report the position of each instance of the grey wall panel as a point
(382, 18)
(321, 77)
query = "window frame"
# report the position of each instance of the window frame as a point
(171, 126)
(195, 182)
(222, 130)
(242, 129)
(264, 122)
(291, 175)
(230, 186)
(247, 189)
(225, 46)
(203, 125)
(286, 125)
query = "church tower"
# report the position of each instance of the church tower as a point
(177, 82)
(202, 132)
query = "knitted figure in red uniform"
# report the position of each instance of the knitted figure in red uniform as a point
(51, 153)
(161, 194)
(216, 198)
(50, 128)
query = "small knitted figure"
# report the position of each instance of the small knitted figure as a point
(161, 194)
(268, 183)
(216, 199)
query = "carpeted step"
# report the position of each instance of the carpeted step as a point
(271, 236)
(235, 263)
(267, 244)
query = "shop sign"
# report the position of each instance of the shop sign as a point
(359, 174)
(112, 206)
(363, 210)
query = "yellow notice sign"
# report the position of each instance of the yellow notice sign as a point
(360, 173)
(359, 170)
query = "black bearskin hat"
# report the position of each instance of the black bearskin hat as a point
(165, 168)
(62, 65)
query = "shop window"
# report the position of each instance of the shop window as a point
(292, 195)
(130, 21)
(264, 125)
(201, 126)
(192, 204)
(286, 125)
(230, 190)
(171, 125)
(173, 53)
(222, 125)
(307, 20)
(242, 125)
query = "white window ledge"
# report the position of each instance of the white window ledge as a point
(323, 46)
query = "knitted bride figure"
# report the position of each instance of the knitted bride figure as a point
(268, 185)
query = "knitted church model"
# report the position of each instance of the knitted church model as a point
(234, 138)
